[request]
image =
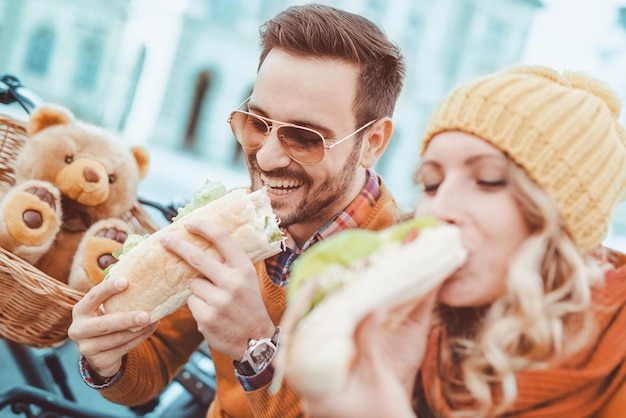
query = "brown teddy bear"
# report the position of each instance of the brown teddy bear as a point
(73, 184)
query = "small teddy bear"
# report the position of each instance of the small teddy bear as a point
(74, 182)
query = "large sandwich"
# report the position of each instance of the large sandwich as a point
(340, 280)
(159, 281)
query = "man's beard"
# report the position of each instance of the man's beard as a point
(318, 204)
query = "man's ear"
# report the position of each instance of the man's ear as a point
(376, 140)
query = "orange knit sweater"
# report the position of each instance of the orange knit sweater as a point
(151, 366)
(587, 384)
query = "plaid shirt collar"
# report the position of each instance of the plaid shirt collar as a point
(279, 266)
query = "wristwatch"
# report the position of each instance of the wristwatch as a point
(259, 354)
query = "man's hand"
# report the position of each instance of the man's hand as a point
(105, 338)
(226, 302)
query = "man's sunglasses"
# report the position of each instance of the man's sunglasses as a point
(11, 91)
(304, 145)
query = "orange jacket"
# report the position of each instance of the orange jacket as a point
(151, 366)
(590, 383)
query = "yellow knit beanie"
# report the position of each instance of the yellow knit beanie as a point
(562, 129)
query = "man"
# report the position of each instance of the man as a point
(336, 77)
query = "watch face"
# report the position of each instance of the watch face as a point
(261, 355)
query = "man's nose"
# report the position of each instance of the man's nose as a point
(271, 155)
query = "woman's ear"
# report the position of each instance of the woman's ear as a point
(376, 141)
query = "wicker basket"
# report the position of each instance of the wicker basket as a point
(36, 309)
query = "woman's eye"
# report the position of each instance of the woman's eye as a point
(492, 183)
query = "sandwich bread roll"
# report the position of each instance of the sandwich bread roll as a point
(342, 279)
(159, 281)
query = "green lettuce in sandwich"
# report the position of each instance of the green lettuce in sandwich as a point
(339, 281)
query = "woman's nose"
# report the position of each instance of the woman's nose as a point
(445, 204)
(271, 155)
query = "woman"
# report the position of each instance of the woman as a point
(529, 164)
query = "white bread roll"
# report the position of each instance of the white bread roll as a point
(318, 346)
(159, 281)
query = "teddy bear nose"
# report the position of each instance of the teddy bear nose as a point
(90, 175)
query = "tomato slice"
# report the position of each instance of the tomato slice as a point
(410, 236)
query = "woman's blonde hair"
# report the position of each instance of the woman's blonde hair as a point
(543, 316)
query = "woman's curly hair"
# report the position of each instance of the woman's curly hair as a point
(543, 316)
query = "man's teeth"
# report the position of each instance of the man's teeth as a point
(280, 183)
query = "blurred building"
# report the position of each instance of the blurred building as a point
(64, 50)
(168, 73)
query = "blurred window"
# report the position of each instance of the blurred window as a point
(39, 51)
(377, 7)
(90, 54)
(226, 12)
(202, 87)
(497, 35)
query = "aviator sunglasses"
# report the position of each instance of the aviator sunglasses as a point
(303, 145)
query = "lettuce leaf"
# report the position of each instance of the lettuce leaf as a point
(346, 248)
(210, 191)
(131, 242)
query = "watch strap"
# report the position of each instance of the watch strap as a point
(244, 367)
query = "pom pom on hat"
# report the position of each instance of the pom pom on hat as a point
(562, 129)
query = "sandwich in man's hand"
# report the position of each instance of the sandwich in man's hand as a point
(159, 281)
(342, 279)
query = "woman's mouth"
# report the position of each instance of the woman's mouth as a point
(458, 272)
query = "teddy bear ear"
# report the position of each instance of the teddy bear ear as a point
(48, 115)
(143, 160)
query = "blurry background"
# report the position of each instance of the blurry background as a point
(165, 74)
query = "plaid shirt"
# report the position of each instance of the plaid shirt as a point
(279, 266)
